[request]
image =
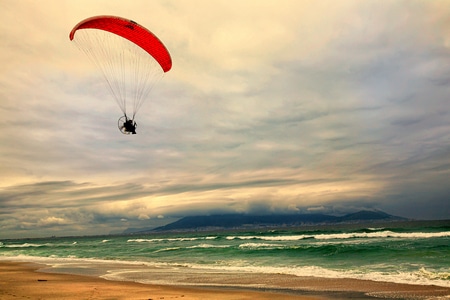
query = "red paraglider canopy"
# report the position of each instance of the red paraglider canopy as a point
(131, 31)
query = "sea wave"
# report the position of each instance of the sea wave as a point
(421, 276)
(434, 275)
(208, 246)
(375, 228)
(192, 269)
(167, 249)
(343, 236)
(178, 239)
(271, 238)
(26, 245)
(264, 246)
(160, 240)
(35, 245)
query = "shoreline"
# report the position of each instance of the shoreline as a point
(35, 280)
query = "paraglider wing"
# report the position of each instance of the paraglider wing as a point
(131, 31)
(131, 58)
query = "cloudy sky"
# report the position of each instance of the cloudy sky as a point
(270, 107)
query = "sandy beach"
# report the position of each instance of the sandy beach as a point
(24, 281)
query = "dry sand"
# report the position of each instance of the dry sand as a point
(23, 281)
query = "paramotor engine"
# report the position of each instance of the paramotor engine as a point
(129, 56)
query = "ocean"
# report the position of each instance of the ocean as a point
(402, 252)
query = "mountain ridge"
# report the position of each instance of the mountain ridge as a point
(233, 221)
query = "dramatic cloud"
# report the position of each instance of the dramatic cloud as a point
(293, 106)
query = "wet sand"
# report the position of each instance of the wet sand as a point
(24, 281)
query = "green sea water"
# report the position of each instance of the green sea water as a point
(406, 252)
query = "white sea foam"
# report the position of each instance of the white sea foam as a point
(384, 234)
(167, 249)
(25, 245)
(261, 245)
(419, 277)
(375, 228)
(343, 236)
(35, 245)
(190, 270)
(331, 236)
(117, 270)
(180, 239)
(270, 238)
(208, 246)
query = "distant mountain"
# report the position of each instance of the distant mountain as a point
(245, 221)
(366, 215)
